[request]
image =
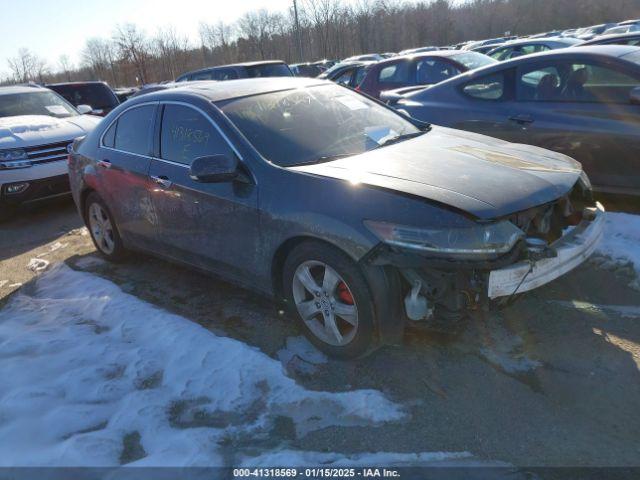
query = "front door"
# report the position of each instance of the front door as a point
(210, 225)
(583, 109)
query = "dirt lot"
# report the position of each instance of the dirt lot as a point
(552, 380)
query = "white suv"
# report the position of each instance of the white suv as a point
(36, 128)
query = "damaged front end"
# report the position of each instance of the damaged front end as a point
(450, 271)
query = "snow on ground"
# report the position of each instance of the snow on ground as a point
(621, 240)
(93, 376)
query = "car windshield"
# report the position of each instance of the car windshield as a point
(269, 70)
(473, 60)
(39, 102)
(96, 95)
(314, 124)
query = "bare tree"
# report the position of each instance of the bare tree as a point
(26, 66)
(65, 66)
(133, 48)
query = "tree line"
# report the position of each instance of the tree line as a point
(326, 29)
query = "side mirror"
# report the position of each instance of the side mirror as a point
(84, 109)
(214, 169)
(634, 96)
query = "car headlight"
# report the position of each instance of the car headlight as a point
(13, 154)
(476, 242)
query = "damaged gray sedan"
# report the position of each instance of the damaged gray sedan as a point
(358, 218)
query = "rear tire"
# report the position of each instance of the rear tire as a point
(327, 293)
(103, 229)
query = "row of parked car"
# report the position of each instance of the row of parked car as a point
(355, 207)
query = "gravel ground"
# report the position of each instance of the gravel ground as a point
(552, 380)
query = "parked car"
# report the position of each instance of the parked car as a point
(628, 28)
(367, 57)
(348, 74)
(552, 33)
(419, 69)
(36, 127)
(98, 95)
(583, 102)
(265, 68)
(484, 49)
(124, 93)
(371, 219)
(411, 51)
(590, 32)
(490, 41)
(306, 70)
(525, 46)
(632, 39)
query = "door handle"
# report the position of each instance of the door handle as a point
(521, 119)
(162, 180)
(104, 163)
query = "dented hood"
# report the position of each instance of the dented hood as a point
(30, 130)
(480, 175)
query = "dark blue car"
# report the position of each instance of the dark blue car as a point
(353, 215)
(583, 102)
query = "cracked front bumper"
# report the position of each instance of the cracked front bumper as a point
(572, 249)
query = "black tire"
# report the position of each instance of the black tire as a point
(314, 251)
(118, 253)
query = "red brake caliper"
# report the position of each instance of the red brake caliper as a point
(344, 294)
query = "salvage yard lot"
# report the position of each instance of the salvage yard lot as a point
(552, 380)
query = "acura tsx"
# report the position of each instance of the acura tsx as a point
(358, 218)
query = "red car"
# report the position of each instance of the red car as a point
(420, 69)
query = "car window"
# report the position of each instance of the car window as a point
(186, 135)
(502, 53)
(269, 70)
(429, 71)
(344, 78)
(361, 72)
(132, 132)
(575, 82)
(97, 95)
(38, 102)
(202, 76)
(109, 138)
(396, 73)
(225, 74)
(343, 123)
(490, 87)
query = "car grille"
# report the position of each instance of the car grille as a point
(48, 153)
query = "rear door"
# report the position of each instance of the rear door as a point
(210, 225)
(122, 171)
(582, 108)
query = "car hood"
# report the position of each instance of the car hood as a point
(31, 130)
(480, 175)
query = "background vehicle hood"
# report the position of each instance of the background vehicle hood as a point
(480, 175)
(30, 130)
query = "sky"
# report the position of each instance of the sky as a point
(50, 28)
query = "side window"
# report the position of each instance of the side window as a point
(502, 54)
(576, 82)
(132, 132)
(225, 74)
(345, 78)
(490, 87)
(108, 140)
(431, 71)
(396, 73)
(360, 74)
(202, 76)
(186, 135)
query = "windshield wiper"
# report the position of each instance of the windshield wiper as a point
(401, 138)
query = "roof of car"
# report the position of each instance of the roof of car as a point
(520, 41)
(612, 36)
(20, 89)
(218, 91)
(88, 82)
(433, 53)
(242, 64)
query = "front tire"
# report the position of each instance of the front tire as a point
(102, 228)
(328, 294)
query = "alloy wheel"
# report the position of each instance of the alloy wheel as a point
(325, 303)
(101, 229)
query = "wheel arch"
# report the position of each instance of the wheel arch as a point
(390, 318)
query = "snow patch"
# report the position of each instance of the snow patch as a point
(98, 366)
(37, 265)
(88, 262)
(624, 311)
(299, 356)
(621, 241)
